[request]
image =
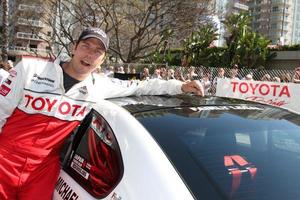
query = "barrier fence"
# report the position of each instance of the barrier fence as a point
(198, 73)
(254, 74)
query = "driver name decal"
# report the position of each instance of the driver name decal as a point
(65, 191)
(81, 166)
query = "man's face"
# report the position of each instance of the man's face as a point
(146, 71)
(157, 72)
(221, 72)
(87, 55)
(234, 71)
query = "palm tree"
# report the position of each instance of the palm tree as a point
(5, 30)
(237, 27)
(197, 45)
(244, 46)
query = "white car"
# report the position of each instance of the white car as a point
(181, 148)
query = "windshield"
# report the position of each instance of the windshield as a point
(231, 153)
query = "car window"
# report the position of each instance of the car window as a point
(235, 154)
(95, 160)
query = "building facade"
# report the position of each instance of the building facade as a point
(222, 8)
(237, 6)
(296, 27)
(278, 20)
(28, 33)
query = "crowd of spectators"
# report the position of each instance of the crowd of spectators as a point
(204, 75)
(284, 77)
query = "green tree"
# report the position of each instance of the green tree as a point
(245, 47)
(197, 49)
(197, 45)
(170, 57)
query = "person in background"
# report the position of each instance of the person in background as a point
(4, 71)
(220, 74)
(163, 73)
(43, 101)
(121, 70)
(234, 73)
(266, 77)
(296, 75)
(206, 83)
(132, 70)
(127, 70)
(191, 74)
(178, 74)
(248, 77)
(109, 72)
(170, 74)
(276, 79)
(145, 74)
(10, 63)
(285, 78)
(156, 74)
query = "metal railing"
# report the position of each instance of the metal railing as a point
(25, 7)
(26, 50)
(203, 73)
(30, 22)
(29, 36)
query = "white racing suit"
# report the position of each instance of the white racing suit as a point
(36, 116)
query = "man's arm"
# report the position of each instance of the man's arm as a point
(296, 79)
(110, 88)
(11, 92)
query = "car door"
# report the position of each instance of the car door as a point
(92, 166)
(113, 157)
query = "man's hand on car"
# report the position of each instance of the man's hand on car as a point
(193, 86)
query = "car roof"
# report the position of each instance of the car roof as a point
(136, 104)
(199, 133)
(141, 104)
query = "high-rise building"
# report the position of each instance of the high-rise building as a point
(223, 8)
(28, 33)
(237, 6)
(278, 20)
(296, 27)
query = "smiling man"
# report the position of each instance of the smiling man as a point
(42, 101)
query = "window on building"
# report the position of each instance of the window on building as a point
(274, 25)
(33, 46)
(275, 9)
